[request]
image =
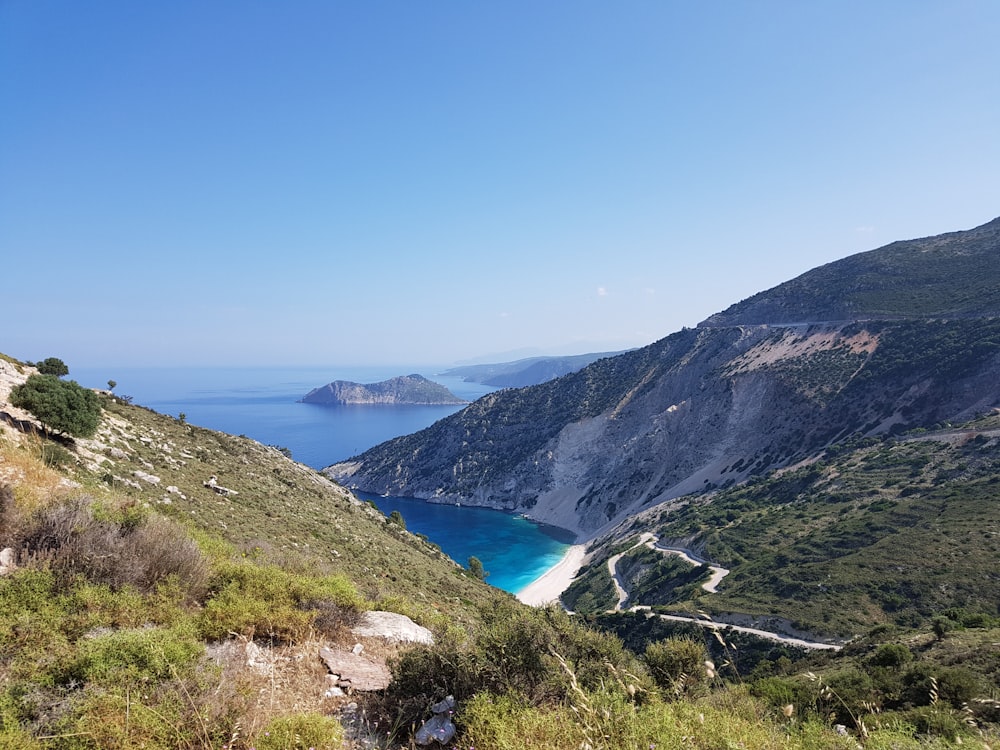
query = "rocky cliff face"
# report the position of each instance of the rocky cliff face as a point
(698, 410)
(407, 389)
(713, 406)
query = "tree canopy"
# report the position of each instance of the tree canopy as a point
(52, 366)
(63, 406)
(476, 568)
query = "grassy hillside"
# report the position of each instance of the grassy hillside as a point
(887, 531)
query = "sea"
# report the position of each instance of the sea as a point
(263, 403)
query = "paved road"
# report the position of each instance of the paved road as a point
(711, 586)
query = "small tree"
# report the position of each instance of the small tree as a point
(111, 385)
(476, 568)
(52, 366)
(397, 518)
(62, 406)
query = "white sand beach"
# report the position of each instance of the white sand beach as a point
(556, 579)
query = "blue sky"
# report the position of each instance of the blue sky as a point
(428, 182)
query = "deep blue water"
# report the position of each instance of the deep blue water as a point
(262, 403)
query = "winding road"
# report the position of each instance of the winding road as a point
(711, 586)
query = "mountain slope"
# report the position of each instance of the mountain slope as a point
(881, 531)
(947, 276)
(712, 406)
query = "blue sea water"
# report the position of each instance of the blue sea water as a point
(262, 403)
(513, 550)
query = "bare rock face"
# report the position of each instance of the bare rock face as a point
(355, 672)
(393, 627)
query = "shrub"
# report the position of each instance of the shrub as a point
(62, 406)
(125, 547)
(925, 684)
(676, 664)
(52, 366)
(267, 601)
(54, 455)
(301, 731)
(891, 655)
(137, 656)
(519, 651)
(934, 720)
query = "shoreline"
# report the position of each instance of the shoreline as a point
(548, 586)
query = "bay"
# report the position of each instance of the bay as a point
(262, 403)
(513, 550)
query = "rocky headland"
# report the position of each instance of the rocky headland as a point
(405, 389)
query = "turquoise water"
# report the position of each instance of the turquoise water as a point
(262, 403)
(514, 550)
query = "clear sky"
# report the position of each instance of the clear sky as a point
(429, 181)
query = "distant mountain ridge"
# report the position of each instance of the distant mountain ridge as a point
(405, 389)
(523, 372)
(759, 387)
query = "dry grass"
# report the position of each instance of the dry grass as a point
(36, 486)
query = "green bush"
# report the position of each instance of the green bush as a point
(62, 406)
(935, 720)
(891, 655)
(307, 731)
(54, 455)
(925, 684)
(137, 656)
(265, 601)
(34, 617)
(779, 692)
(517, 651)
(676, 664)
(52, 366)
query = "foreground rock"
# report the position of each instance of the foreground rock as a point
(354, 671)
(393, 627)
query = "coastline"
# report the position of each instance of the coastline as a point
(547, 587)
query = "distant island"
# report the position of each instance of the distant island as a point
(406, 389)
(530, 371)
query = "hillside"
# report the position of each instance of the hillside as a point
(165, 586)
(405, 389)
(881, 531)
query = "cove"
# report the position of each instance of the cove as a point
(514, 550)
